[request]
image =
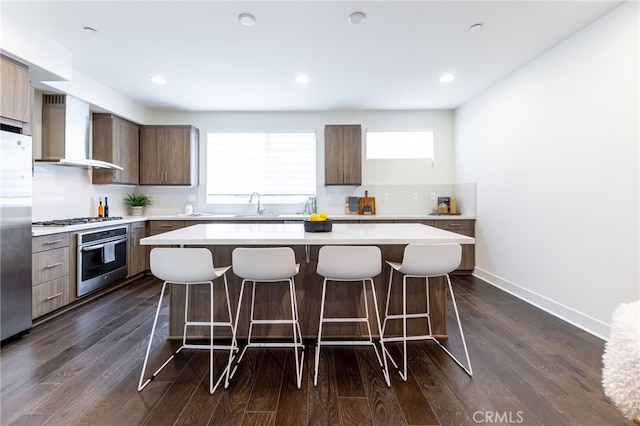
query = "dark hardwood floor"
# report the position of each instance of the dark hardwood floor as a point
(83, 366)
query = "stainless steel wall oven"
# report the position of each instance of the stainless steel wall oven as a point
(102, 258)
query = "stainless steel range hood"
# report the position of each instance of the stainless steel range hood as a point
(65, 133)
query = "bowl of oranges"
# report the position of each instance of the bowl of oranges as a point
(317, 222)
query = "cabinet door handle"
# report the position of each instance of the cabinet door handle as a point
(54, 296)
(53, 242)
(454, 225)
(53, 265)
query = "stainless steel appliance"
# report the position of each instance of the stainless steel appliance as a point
(15, 234)
(65, 132)
(101, 258)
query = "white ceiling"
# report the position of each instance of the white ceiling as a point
(393, 60)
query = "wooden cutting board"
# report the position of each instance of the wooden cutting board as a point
(366, 204)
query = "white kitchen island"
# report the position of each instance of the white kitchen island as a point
(222, 238)
(293, 234)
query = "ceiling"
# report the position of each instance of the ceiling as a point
(391, 61)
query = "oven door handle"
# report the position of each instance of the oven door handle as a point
(99, 246)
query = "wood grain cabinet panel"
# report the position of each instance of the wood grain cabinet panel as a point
(464, 227)
(158, 226)
(116, 141)
(50, 264)
(51, 284)
(342, 155)
(15, 91)
(138, 255)
(48, 242)
(169, 155)
(49, 296)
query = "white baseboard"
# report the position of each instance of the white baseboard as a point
(565, 313)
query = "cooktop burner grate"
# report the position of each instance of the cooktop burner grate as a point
(75, 221)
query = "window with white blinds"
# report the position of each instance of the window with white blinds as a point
(280, 166)
(399, 144)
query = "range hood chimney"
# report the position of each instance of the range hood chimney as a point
(65, 133)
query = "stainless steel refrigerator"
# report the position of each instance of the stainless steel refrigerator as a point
(15, 234)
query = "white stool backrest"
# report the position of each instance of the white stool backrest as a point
(430, 259)
(182, 265)
(349, 262)
(257, 264)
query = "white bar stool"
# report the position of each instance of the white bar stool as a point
(268, 266)
(189, 267)
(424, 261)
(357, 264)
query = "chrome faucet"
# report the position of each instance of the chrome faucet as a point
(260, 210)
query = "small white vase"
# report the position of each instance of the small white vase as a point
(137, 210)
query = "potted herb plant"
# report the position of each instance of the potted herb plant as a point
(137, 202)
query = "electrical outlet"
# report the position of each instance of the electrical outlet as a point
(433, 195)
(415, 195)
(329, 197)
(386, 196)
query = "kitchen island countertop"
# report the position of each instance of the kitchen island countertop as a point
(37, 231)
(294, 234)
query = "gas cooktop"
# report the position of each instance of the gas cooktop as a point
(75, 221)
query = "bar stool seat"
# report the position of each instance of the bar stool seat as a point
(267, 266)
(423, 261)
(345, 264)
(190, 267)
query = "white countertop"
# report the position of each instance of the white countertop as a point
(37, 231)
(293, 234)
(295, 216)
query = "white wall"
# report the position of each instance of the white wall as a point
(553, 149)
(73, 194)
(399, 179)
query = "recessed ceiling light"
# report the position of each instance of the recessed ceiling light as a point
(302, 79)
(90, 30)
(247, 19)
(158, 79)
(475, 27)
(356, 18)
(447, 78)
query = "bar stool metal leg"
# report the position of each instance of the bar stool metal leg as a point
(434, 261)
(297, 343)
(142, 383)
(382, 361)
(189, 267)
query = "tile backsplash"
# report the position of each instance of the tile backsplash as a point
(65, 192)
